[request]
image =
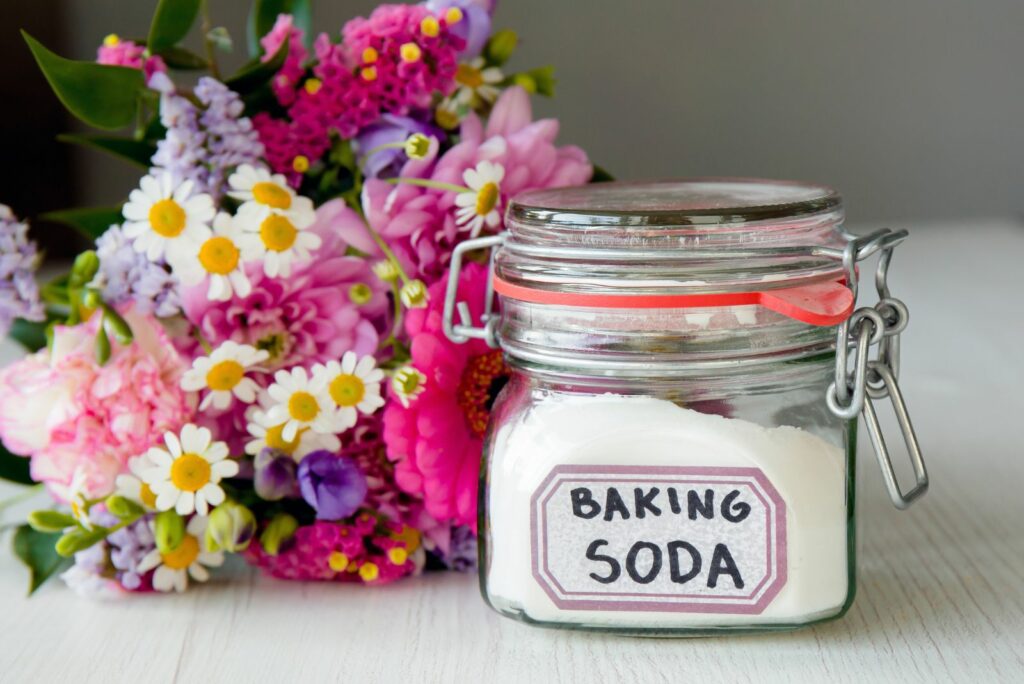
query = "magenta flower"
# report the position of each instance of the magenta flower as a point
(436, 441)
(286, 82)
(117, 52)
(420, 223)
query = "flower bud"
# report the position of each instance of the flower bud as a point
(417, 146)
(84, 270)
(360, 293)
(168, 530)
(274, 475)
(501, 46)
(281, 529)
(50, 521)
(408, 383)
(414, 294)
(78, 539)
(231, 527)
(123, 508)
(386, 270)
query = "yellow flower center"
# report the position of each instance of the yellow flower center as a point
(112, 40)
(146, 496)
(369, 73)
(360, 293)
(409, 537)
(313, 85)
(303, 406)
(76, 509)
(410, 52)
(224, 376)
(276, 440)
(183, 556)
(338, 561)
(429, 27)
(219, 255)
(369, 572)
(469, 76)
(300, 164)
(453, 15)
(277, 233)
(167, 218)
(347, 390)
(398, 555)
(409, 381)
(190, 472)
(486, 198)
(272, 195)
(369, 55)
(446, 118)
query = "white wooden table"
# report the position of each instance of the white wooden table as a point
(941, 592)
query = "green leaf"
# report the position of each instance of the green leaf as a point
(14, 468)
(138, 152)
(29, 334)
(544, 77)
(256, 73)
(501, 46)
(185, 60)
(264, 13)
(100, 95)
(171, 23)
(36, 550)
(601, 175)
(90, 222)
(50, 521)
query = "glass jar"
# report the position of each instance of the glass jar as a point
(663, 458)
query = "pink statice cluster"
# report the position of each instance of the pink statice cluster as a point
(252, 359)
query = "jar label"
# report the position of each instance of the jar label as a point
(659, 538)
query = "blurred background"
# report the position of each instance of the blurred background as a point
(913, 109)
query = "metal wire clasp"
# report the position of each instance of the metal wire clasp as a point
(854, 389)
(465, 329)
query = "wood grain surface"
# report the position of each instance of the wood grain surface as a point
(940, 596)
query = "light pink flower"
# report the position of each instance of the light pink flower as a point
(419, 223)
(117, 52)
(65, 411)
(436, 441)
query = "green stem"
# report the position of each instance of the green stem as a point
(21, 496)
(396, 315)
(427, 183)
(211, 53)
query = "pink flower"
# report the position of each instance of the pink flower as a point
(419, 223)
(329, 305)
(286, 82)
(126, 53)
(65, 411)
(436, 441)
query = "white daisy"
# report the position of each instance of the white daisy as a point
(479, 205)
(130, 485)
(262, 194)
(162, 218)
(185, 475)
(268, 434)
(353, 384)
(220, 255)
(189, 559)
(223, 373)
(74, 494)
(303, 402)
(408, 383)
(476, 82)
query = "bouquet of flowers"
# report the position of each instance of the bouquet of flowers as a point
(251, 359)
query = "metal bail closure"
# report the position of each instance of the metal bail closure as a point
(465, 330)
(855, 390)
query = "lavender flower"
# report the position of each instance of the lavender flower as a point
(390, 129)
(19, 259)
(128, 546)
(461, 554)
(475, 25)
(333, 485)
(202, 145)
(274, 476)
(127, 275)
(86, 577)
(230, 138)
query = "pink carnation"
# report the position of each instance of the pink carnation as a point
(286, 82)
(127, 53)
(329, 305)
(66, 412)
(436, 441)
(419, 223)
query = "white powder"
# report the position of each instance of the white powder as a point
(612, 430)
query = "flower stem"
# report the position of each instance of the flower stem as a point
(211, 53)
(427, 183)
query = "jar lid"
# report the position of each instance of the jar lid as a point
(679, 243)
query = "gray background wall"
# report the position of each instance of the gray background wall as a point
(912, 108)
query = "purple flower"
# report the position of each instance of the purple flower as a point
(461, 555)
(19, 259)
(475, 25)
(128, 546)
(274, 476)
(127, 275)
(331, 484)
(390, 129)
(181, 152)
